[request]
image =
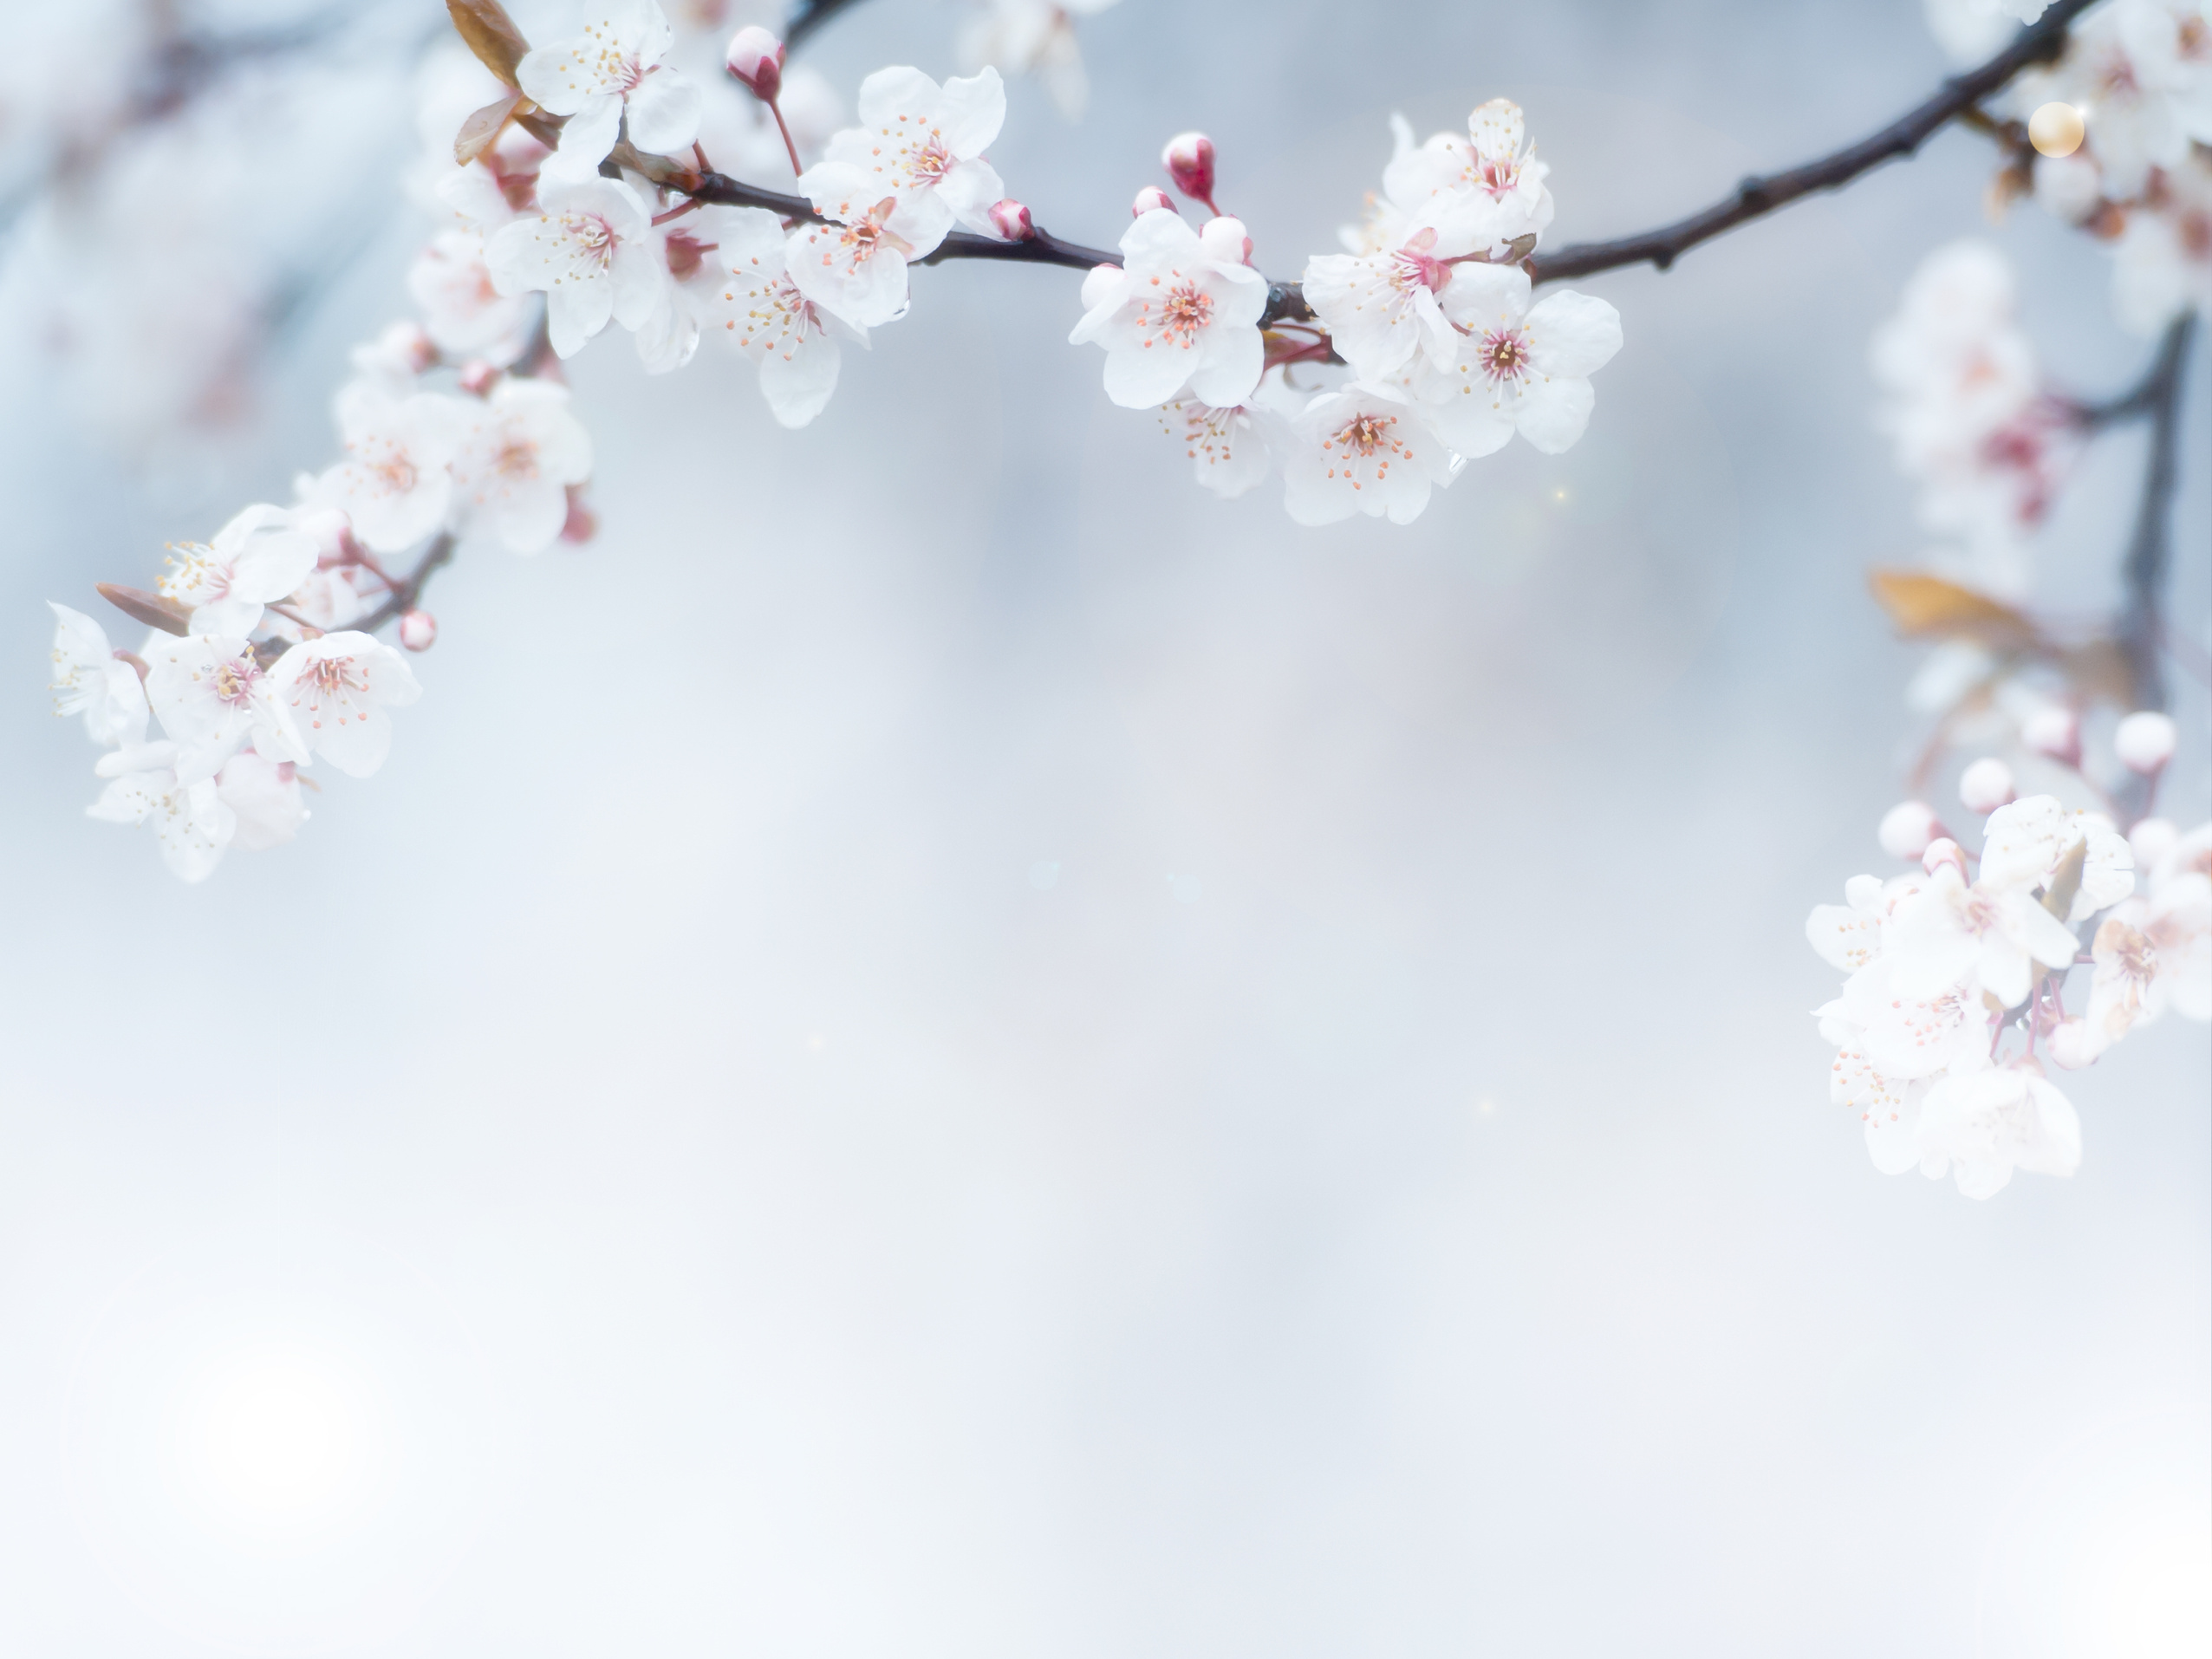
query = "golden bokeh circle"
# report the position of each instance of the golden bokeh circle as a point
(2055, 130)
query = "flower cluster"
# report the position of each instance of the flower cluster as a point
(1959, 969)
(1970, 420)
(1431, 309)
(2138, 75)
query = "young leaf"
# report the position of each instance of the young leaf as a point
(490, 34)
(155, 610)
(1923, 605)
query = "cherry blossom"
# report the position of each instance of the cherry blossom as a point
(213, 698)
(2133, 125)
(2162, 264)
(1183, 311)
(2151, 952)
(2170, 42)
(1996, 933)
(1984, 1124)
(192, 821)
(1382, 307)
(1035, 37)
(394, 486)
(1521, 368)
(611, 76)
(921, 145)
(1361, 451)
(266, 802)
(1227, 448)
(2024, 843)
(1888, 1107)
(1494, 172)
(336, 688)
(1849, 935)
(854, 268)
(759, 309)
(90, 680)
(520, 452)
(590, 252)
(257, 558)
(463, 310)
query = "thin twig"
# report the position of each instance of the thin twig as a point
(2150, 548)
(806, 17)
(404, 597)
(1043, 249)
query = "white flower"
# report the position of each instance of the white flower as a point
(213, 699)
(922, 146)
(1984, 1124)
(854, 268)
(2024, 843)
(1182, 312)
(463, 310)
(395, 485)
(1381, 307)
(590, 250)
(1521, 368)
(1888, 1107)
(1850, 935)
(192, 821)
(89, 680)
(2132, 124)
(1909, 1032)
(1493, 171)
(610, 73)
(761, 311)
(259, 557)
(2150, 952)
(1227, 448)
(1034, 37)
(519, 451)
(2169, 42)
(1359, 451)
(265, 800)
(336, 688)
(2162, 264)
(1996, 933)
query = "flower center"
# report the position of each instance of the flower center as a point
(332, 680)
(1504, 354)
(592, 237)
(928, 162)
(235, 680)
(518, 459)
(1183, 313)
(1497, 174)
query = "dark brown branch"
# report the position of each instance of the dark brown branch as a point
(2145, 397)
(2151, 549)
(1043, 249)
(806, 17)
(1757, 197)
(404, 597)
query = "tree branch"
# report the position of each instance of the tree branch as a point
(1043, 249)
(806, 17)
(408, 593)
(2151, 549)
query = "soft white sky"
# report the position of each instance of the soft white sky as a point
(699, 1194)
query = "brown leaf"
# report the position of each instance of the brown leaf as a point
(490, 34)
(481, 131)
(153, 609)
(1929, 607)
(2066, 880)
(2100, 669)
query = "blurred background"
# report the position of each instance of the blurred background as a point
(940, 1043)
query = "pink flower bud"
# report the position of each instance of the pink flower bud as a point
(2144, 742)
(1189, 160)
(1986, 785)
(477, 377)
(1907, 828)
(418, 630)
(756, 57)
(1224, 239)
(2073, 1044)
(583, 523)
(1012, 221)
(1150, 199)
(1942, 851)
(2055, 734)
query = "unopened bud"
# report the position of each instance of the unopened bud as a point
(1189, 160)
(2144, 742)
(1012, 221)
(2072, 1044)
(583, 523)
(756, 57)
(1986, 785)
(2055, 734)
(1150, 199)
(418, 630)
(477, 377)
(1942, 851)
(1224, 239)
(1907, 828)
(332, 533)
(2152, 840)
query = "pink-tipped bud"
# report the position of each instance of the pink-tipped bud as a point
(1944, 850)
(756, 57)
(2054, 733)
(418, 630)
(1189, 160)
(1151, 199)
(477, 377)
(1224, 239)
(2144, 742)
(1012, 221)
(1907, 829)
(1986, 785)
(2073, 1044)
(583, 523)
